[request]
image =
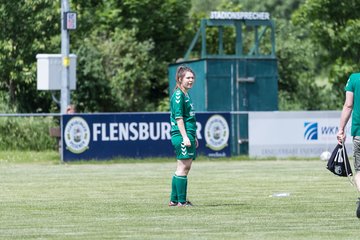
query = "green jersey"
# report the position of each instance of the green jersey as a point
(181, 106)
(353, 85)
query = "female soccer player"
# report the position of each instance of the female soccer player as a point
(183, 134)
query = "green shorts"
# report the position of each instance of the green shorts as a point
(181, 151)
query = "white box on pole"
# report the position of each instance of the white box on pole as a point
(49, 67)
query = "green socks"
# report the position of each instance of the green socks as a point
(173, 196)
(178, 189)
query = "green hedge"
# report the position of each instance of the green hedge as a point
(27, 133)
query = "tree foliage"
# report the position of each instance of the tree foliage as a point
(278, 9)
(121, 45)
(120, 67)
(334, 28)
(27, 28)
(124, 48)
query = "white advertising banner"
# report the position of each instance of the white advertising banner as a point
(294, 134)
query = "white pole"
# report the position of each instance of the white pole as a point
(65, 51)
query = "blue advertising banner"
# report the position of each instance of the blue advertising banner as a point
(138, 135)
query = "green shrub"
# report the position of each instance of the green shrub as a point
(26, 133)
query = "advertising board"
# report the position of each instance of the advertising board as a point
(297, 134)
(138, 135)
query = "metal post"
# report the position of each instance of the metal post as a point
(239, 39)
(203, 38)
(65, 71)
(221, 42)
(65, 51)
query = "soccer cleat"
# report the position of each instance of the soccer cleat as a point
(358, 209)
(185, 204)
(172, 204)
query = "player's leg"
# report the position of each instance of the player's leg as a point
(176, 141)
(356, 142)
(183, 167)
(182, 170)
(357, 180)
(184, 156)
(173, 196)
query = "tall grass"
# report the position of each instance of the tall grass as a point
(26, 133)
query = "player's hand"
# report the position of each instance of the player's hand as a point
(341, 136)
(186, 141)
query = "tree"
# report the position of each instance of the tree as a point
(27, 28)
(334, 27)
(278, 9)
(93, 93)
(31, 27)
(164, 23)
(115, 73)
(159, 34)
(160, 21)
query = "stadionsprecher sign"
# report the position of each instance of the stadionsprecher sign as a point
(105, 136)
(240, 15)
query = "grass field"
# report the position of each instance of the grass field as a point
(43, 199)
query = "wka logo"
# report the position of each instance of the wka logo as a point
(311, 130)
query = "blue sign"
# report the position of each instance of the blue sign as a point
(311, 130)
(138, 135)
